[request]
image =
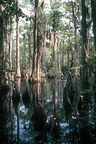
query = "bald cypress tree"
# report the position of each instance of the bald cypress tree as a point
(93, 6)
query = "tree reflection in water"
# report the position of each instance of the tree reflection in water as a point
(4, 90)
(40, 113)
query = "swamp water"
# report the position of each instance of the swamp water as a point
(45, 116)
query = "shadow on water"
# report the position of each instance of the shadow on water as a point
(44, 113)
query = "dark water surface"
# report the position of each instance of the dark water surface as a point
(42, 115)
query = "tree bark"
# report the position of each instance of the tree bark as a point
(85, 47)
(36, 68)
(93, 6)
(18, 73)
(1, 48)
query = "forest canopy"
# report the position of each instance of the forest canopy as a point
(48, 38)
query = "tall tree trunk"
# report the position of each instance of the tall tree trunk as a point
(1, 48)
(93, 6)
(39, 45)
(10, 45)
(36, 69)
(75, 61)
(43, 49)
(74, 4)
(59, 58)
(68, 55)
(35, 41)
(18, 73)
(55, 54)
(29, 49)
(3, 24)
(85, 46)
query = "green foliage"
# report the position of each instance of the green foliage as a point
(55, 17)
(10, 6)
(7, 2)
(56, 4)
(49, 62)
(64, 69)
(56, 14)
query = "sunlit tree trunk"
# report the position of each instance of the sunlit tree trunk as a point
(39, 45)
(36, 69)
(56, 55)
(30, 53)
(10, 44)
(18, 73)
(75, 57)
